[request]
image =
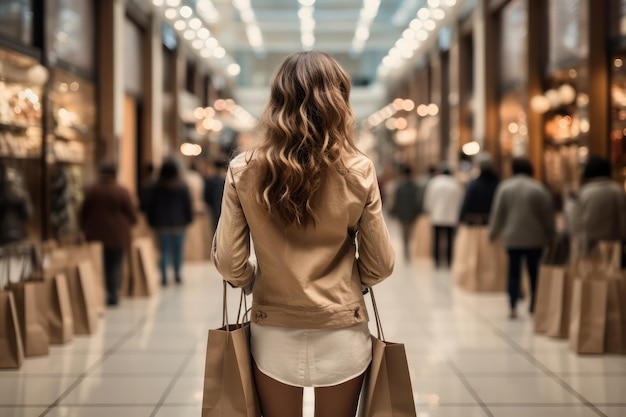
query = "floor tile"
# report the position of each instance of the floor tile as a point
(179, 411)
(617, 411)
(118, 390)
(32, 390)
(58, 364)
(186, 391)
(163, 343)
(21, 411)
(140, 364)
(466, 411)
(555, 411)
(493, 363)
(100, 411)
(520, 390)
(569, 362)
(433, 390)
(606, 389)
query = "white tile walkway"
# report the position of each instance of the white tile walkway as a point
(467, 359)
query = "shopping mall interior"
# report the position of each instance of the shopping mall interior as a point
(434, 83)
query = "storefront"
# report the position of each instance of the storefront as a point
(617, 70)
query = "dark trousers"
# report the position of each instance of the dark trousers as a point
(446, 234)
(113, 260)
(531, 256)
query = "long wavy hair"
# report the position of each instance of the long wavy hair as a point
(308, 125)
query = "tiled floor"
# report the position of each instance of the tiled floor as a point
(467, 359)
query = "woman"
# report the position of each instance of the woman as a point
(169, 213)
(407, 206)
(309, 199)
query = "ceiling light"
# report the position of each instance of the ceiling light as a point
(421, 35)
(362, 33)
(186, 12)
(430, 25)
(233, 69)
(415, 24)
(307, 25)
(306, 2)
(434, 3)
(439, 14)
(408, 34)
(173, 3)
(157, 3)
(198, 44)
(450, 3)
(308, 39)
(219, 52)
(195, 23)
(203, 33)
(180, 25)
(190, 34)
(211, 43)
(423, 13)
(205, 53)
(305, 13)
(171, 14)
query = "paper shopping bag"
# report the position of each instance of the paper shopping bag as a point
(84, 311)
(559, 306)
(464, 258)
(229, 388)
(11, 347)
(31, 304)
(588, 316)
(60, 317)
(144, 273)
(490, 264)
(387, 390)
(543, 300)
(615, 334)
(96, 255)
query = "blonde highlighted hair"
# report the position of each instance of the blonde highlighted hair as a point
(308, 125)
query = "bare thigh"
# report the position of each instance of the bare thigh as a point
(277, 399)
(339, 400)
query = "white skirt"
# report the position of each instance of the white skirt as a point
(311, 357)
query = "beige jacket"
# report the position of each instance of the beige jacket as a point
(308, 278)
(601, 211)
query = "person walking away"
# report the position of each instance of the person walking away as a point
(600, 213)
(107, 216)
(308, 198)
(479, 194)
(214, 190)
(442, 200)
(523, 216)
(407, 206)
(170, 211)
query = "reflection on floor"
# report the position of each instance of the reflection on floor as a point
(467, 358)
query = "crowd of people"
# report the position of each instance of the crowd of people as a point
(519, 211)
(168, 199)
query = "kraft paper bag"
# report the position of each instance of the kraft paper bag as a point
(588, 316)
(80, 283)
(32, 307)
(615, 335)
(96, 255)
(387, 390)
(464, 258)
(422, 237)
(491, 263)
(229, 388)
(11, 347)
(144, 272)
(559, 306)
(542, 302)
(60, 317)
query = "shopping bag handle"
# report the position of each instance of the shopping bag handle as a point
(242, 302)
(379, 326)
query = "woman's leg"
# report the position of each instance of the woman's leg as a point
(164, 248)
(178, 243)
(515, 271)
(277, 399)
(339, 400)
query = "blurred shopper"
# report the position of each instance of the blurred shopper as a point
(407, 206)
(442, 200)
(305, 195)
(523, 216)
(170, 211)
(146, 186)
(214, 189)
(480, 193)
(15, 209)
(601, 208)
(107, 216)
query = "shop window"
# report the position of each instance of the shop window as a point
(21, 81)
(16, 20)
(618, 116)
(71, 26)
(568, 23)
(71, 147)
(617, 16)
